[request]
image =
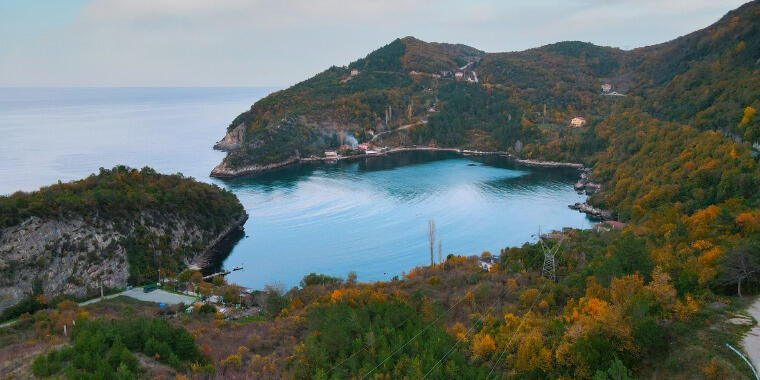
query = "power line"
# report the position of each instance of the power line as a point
(362, 350)
(413, 338)
(516, 330)
(457, 342)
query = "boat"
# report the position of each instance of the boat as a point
(239, 267)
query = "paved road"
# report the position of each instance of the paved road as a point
(157, 296)
(751, 341)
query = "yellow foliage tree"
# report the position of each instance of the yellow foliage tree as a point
(483, 345)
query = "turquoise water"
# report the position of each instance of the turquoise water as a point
(369, 216)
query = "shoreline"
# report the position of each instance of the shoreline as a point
(207, 258)
(583, 185)
(222, 171)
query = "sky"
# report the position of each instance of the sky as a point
(281, 42)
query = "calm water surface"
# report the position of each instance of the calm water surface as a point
(369, 216)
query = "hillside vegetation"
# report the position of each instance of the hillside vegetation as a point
(676, 160)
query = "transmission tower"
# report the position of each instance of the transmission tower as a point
(550, 266)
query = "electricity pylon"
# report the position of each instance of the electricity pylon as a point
(550, 266)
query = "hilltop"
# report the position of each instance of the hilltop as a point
(453, 95)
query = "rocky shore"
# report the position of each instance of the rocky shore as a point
(593, 212)
(585, 184)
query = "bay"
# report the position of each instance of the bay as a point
(368, 216)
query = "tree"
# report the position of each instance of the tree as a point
(431, 238)
(617, 371)
(740, 265)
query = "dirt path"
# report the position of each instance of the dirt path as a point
(751, 341)
(401, 128)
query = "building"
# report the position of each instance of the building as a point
(331, 154)
(606, 87)
(354, 72)
(363, 146)
(487, 262)
(578, 122)
(459, 75)
(215, 299)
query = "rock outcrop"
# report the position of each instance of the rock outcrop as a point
(232, 140)
(74, 255)
(593, 212)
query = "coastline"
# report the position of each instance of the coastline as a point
(222, 171)
(208, 256)
(583, 185)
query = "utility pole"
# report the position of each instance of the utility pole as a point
(440, 253)
(543, 116)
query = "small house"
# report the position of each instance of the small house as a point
(331, 154)
(354, 72)
(215, 299)
(578, 122)
(606, 87)
(363, 146)
(487, 262)
(459, 75)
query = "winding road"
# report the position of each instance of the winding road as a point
(751, 341)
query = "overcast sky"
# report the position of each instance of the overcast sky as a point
(280, 42)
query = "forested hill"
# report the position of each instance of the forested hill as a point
(116, 227)
(471, 99)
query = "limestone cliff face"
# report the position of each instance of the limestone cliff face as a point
(232, 140)
(74, 255)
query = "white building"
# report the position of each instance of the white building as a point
(578, 122)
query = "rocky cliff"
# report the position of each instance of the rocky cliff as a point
(114, 228)
(232, 139)
(75, 255)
